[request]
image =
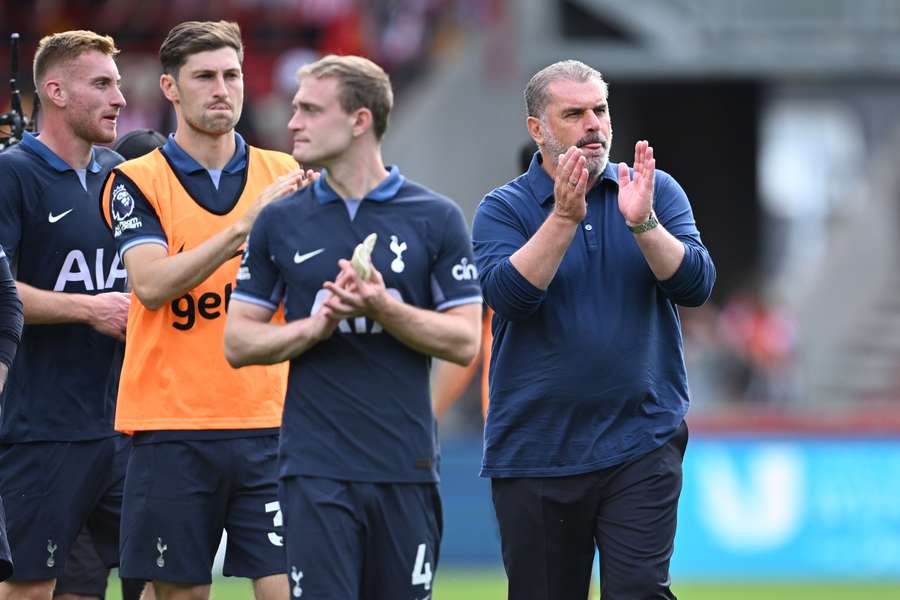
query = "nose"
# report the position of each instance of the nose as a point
(118, 99)
(592, 122)
(220, 90)
(295, 124)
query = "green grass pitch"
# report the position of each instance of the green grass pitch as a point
(455, 584)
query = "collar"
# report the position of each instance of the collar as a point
(185, 163)
(383, 192)
(34, 144)
(542, 185)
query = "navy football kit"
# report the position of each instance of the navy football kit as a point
(358, 456)
(61, 463)
(10, 334)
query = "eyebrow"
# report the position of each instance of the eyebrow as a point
(578, 109)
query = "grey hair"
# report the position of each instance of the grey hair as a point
(536, 95)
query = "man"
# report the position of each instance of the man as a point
(358, 460)
(86, 575)
(11, 320)
(61, 463)
(205, 435)
(584, 263)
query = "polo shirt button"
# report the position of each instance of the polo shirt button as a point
(588, 227)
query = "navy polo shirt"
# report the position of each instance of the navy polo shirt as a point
(216, 191)
(590, 372)
(358, 405)
(58, 387)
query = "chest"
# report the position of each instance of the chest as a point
(307, 252)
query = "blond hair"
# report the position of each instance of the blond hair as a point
(363, 84)
(67, 46)
(192, 37)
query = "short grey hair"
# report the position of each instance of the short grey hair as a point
(536, 95)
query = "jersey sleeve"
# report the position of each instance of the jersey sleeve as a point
(10, 211)
(131, 216)
(454, 277)
(258, 280)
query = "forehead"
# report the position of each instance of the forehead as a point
(567, 92)
(220, 59)
(317, 90)
(88, 65)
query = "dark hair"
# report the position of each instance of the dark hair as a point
(138, 143)
(191, 37)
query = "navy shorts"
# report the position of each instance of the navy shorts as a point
(85, 573)
(549, 527)
(351, 540)
(181, 495)
(5, 556)
(52, 490)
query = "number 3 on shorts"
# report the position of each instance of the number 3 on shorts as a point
(422, 570)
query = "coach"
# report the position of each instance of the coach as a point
(584, 263)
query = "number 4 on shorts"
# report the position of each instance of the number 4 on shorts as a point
(422, 570)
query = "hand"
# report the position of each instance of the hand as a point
(636, 195)
(281, 187)
(570, 186)
(353, 296)
(324, 323)
(109, 313)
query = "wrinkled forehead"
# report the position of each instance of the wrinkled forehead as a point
(569, 92)
(220, 59)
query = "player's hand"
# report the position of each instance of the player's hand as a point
(281, 187)
(324, 323)
(353, 296)
(109, 313)
(636, 195)
(570, 186)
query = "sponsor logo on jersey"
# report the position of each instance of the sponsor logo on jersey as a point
(76, 269)
(464, 270)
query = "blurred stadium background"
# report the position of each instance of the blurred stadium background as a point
(779, 117)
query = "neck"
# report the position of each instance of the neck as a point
(65, 144)
(355, 176)
(211, 151)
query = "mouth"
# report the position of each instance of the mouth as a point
(219, 107)
(111, 118)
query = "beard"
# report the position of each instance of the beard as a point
(88, 130)
(213, 125)
(595, 164)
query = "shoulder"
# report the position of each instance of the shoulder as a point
(280, 160)
(107, 158)
(433, 203)
(17, 159)
(142, 166)
(288, 209)
(508, 197)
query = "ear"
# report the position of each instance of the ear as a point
(54, 93)
(535, 130)
(362, 121)
(169, 87)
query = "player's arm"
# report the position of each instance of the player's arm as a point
(106, 312)
(250, 339)
(10, 320)
(453, 335)
(156, 277)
